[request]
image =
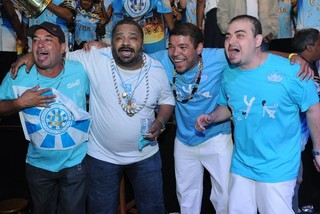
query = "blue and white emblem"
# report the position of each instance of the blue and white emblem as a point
(136, 8)
(55, 120)
(62, 126)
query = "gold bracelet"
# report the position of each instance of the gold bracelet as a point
(291, 55)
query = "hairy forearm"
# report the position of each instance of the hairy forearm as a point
(313, 115)
(220, 114)
(8, 107)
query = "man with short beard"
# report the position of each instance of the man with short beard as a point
(195, 74)
(126, 86)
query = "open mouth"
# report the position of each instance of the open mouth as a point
(177, 61)
(233, 52)
(125, 52)
(42, 55)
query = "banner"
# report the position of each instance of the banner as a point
(62, 126)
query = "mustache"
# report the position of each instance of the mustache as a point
(177, 58)
(126, 49)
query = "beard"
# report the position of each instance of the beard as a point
(127, 61)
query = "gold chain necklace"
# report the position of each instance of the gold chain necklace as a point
(129, 106)
(195, 86)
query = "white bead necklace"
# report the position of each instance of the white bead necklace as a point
(126, 99)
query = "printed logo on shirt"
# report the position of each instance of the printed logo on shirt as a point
(136, 8)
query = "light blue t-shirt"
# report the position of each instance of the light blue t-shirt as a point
(204, 100)
(285, 22)
(265, 104)
(72, 83)
(85, 26)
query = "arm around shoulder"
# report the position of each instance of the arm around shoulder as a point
(26, 59)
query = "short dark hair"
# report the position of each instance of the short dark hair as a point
(128, 21)
(188, 29)
(257, 28)
(304, 37)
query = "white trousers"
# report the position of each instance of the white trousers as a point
(214, 155)
(247, 196)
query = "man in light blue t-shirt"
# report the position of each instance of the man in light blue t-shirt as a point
(51, 101)
(263, 96)
(195, 74)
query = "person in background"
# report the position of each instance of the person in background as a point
(51, 101)
(89, 23)
(207, 13)
(266, 120)
(15, 18)
(59, 12)
(189, 8)
(178, 12)
(266, 11)
(110, 24)
(306, 43)
(10, 32)
(287, 26)
(154, 16)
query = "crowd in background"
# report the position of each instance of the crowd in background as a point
(83, 21)
(91, 20)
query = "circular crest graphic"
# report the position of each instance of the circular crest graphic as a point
(136, 8)
(55, 120)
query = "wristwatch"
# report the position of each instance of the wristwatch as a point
(314, 152)
(163, 125)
